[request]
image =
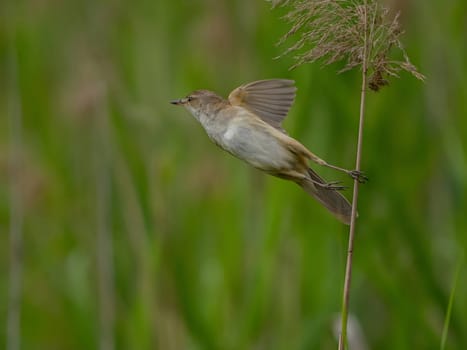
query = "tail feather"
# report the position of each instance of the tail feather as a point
(335, 202)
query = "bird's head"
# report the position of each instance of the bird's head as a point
(199, 101)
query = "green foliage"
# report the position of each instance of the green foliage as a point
(206, 253)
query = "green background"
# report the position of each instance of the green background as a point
(138, 233)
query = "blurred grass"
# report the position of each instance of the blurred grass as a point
(207, 253)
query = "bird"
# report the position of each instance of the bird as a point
(248, 125)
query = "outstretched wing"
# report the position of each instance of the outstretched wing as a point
(268, 99)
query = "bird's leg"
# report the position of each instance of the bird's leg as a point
(354, 174)
(298, 177)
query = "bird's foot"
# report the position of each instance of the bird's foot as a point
(358, 175)
(334, 185)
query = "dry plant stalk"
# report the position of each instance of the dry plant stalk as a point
(363, 34)
(15, 164)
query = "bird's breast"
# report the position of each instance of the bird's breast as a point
(256, 144)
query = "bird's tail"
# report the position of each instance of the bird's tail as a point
(336, 203)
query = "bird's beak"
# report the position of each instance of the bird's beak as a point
(180, 101)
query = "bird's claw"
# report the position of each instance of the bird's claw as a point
(334, 185)
(359, 176)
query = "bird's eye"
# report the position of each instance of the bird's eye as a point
(189, 98)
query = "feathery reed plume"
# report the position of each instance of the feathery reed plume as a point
(352, 31)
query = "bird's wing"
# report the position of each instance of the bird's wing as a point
(268, 99)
